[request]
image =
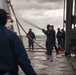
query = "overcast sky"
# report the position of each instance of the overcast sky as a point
(39, 12)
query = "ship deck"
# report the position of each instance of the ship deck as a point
(49, 65)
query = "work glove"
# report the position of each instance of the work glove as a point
(43, 30)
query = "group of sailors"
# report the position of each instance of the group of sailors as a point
(61, 38)
(13, 53)
(51, 39)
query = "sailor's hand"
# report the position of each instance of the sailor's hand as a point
(43, 30)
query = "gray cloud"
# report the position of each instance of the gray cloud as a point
(41, 1)
(39, 12)
(42, 23)
(49, 1)
(38, 4)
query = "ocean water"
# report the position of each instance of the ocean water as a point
(40, 39)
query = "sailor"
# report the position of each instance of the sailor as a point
(54, 40)
(12, 51)
(63, 39)
(48, 33)
(59, 34)
(30, 42)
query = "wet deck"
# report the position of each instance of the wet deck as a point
(50, 65)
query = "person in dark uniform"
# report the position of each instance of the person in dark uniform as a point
(63, 39)
(54, 40)
(59, 34)
(12, 51)
(32, 35)
(48, 33)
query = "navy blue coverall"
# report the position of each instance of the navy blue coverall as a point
(54, 41)
(59, 34)
(49, 40)
(31, 43)
(12, 54)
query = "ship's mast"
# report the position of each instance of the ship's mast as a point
(70, 27)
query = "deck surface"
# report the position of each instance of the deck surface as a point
(50, 65)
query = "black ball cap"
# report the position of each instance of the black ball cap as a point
(48, 26)
(3, 17)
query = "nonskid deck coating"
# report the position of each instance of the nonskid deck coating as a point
(50, 65)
